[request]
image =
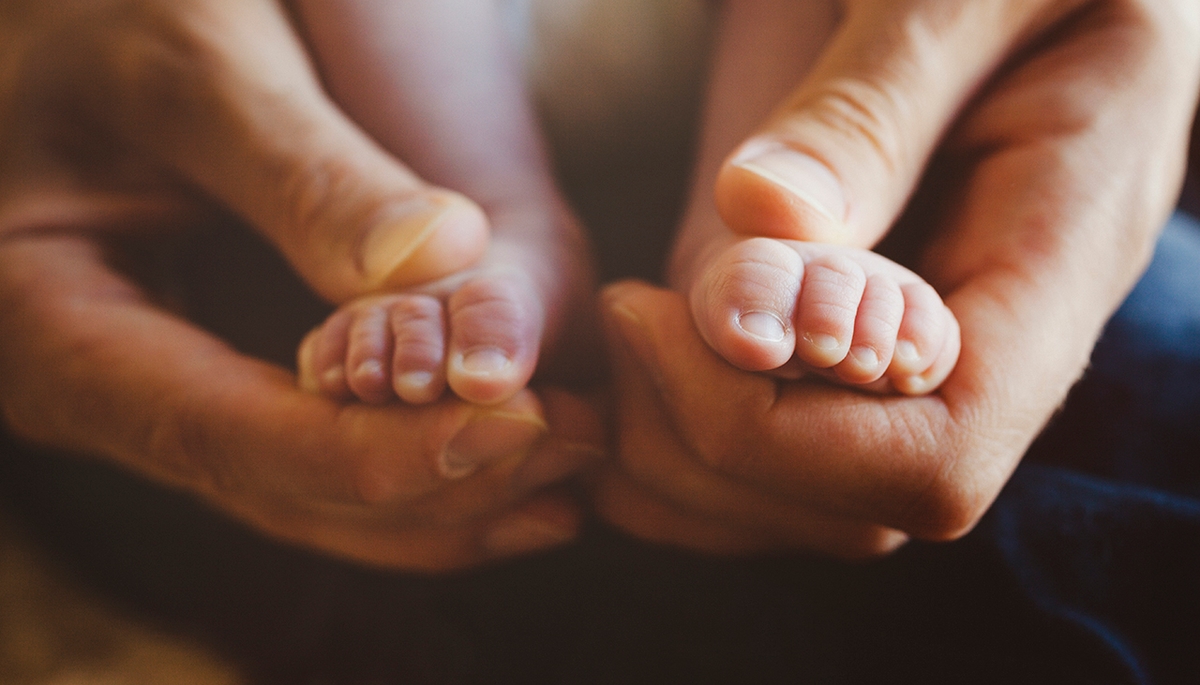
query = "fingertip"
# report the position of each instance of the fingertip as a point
(769, 189)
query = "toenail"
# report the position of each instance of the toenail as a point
(799, 174)
(333, 377)
(825, 343)
(913, 385)
(906, 351)
(371, 368)
(866, 357)
(485, 361)
(416, 381)
(762, 325)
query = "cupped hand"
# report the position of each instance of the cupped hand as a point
(119, 117)
(1034, 149)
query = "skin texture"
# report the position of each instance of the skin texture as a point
(197, 102)
(1042, 145)
(190, 105)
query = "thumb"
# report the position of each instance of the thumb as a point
(839, 158)
(225, 94)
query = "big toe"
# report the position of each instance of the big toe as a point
(496, 321)
(743, 303)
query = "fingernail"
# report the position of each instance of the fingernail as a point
(797, 173)
(520, 534)
(484, 361)
(388, 245)
(488, 438)
(763, 325)
(866, 357)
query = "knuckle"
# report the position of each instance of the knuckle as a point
(862, 110)
(159, 69)
(182, 449)
(313, 195)
(957, 493)
(724, 448)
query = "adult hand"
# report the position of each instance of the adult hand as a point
(1057, 131)
(126, 116)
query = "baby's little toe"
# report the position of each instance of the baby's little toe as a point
(943, 350)
(322, 357)
(922, 331)
(496, 322)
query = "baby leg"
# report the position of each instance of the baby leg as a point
(436, 84)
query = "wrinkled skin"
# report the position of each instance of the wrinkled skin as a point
(1057, 132)
(188, 106)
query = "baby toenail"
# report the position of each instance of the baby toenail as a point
(762, 325)
(485, 361)
(333, 377)
(825, 343)
(415, 380)
(371, 368)
(866, 357)
(906, 351)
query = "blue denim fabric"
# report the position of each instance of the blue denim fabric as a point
(1105, 543)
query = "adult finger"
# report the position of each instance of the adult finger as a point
(223, 92)
(843, 454)
(662, 489)
(840, 157)
(90, 366)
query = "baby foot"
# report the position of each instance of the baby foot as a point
(849, 314)
(479, 332)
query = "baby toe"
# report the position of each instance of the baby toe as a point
(419, 347)
(322, 357)
(875, 328)
(922, 331)
(827, 309)
(944, 360)
(744, 303)
(368, 353)
(496, 323)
